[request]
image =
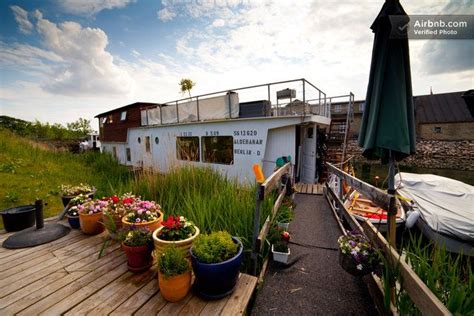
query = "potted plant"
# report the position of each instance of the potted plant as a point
(90, 214)
(72, 213)
(174, 273)
(279, 239)
(357, 256)
(144, 214)
(68, 192)
(216, 260)
(284, 216)
(176, 230)
(137, 245)
(117, 208)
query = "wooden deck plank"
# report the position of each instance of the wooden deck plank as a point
(130, 287)
(214, 307)
(137, 300)
(81, 293)
(16, 270)
(52, 295)
(237, 303)
(193, 307)
(152, 306)
(175, 308)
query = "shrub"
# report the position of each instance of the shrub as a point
(135, 237)
(172, 261)
(284, 215)
(215, 247)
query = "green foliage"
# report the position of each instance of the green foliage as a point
(215, 247)
(135, 237)
(186, 85)
(80, 127)
(284, 215)
(172, 261)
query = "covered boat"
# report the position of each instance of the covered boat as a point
(445, 206)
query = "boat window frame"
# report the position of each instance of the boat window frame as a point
(231, 151)
(198, 148)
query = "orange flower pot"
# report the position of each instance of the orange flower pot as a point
(175, 288)
(152, 226)
(111, 221)
(90, 223)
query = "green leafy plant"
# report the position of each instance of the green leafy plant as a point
(72, 190)
(284, 215)
(135, 236)
(215, 247)
(172, 261)
(279, 238)
(176, 228)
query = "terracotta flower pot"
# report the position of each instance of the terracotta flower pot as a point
(184, 244)
(153, 225)
(90, 223)
(111, 221)
(138, 258)
(175, 288)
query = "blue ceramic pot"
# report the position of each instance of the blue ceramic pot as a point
(74, 221)
(217, 280)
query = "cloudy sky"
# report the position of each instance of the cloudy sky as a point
(65, 59)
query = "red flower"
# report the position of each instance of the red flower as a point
(286, 236)
(172, 222)
(115, 199)
(128, 201)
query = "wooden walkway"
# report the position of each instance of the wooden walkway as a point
(66, 277)
(308, 188)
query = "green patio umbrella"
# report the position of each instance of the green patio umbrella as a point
(388, 125)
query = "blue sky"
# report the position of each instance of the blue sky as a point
(65, 59)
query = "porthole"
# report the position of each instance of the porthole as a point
(139, 140)
(157, 140)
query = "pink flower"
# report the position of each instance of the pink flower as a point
(137, 220)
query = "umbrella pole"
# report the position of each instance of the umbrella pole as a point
(392, 211)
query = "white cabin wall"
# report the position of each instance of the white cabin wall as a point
(280, 142)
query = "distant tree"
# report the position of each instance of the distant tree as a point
(81, 127)
(186, 85)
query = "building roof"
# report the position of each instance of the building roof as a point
(442, 108)
(123, 108)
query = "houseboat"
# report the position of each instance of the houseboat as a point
(229, 130)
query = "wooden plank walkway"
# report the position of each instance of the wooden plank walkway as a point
(66, 277)
(308, 188)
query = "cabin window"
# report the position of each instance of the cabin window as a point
(218, 149)
(123, 116)
(437, 130)
(310, 132)
(129, 154)
(147, 144)
(187, 148)
(157, 140)
(361, 107)
(139, 140)
(104, 120)
(114, 152)
(110, 119)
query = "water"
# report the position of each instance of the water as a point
(368, 172)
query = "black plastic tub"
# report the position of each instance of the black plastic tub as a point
(18, 218)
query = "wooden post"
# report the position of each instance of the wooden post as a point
(256, 230)
(392, 211)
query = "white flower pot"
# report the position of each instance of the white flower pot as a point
(284, 226)
(281, 256)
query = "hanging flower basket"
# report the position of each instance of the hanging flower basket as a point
(357, 256)
(350, 266)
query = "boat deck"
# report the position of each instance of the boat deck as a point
(66, 277)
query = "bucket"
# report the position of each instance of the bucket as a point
(18, 218)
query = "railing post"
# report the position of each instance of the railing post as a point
(197, 108)
(177, 112)
(161, 115)
(304, 96)
(230, 106)
(256, 229)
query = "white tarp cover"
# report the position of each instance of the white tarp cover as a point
(187, 111)
(446, 205)
(153, 116)
(144, 118)
(168, 114)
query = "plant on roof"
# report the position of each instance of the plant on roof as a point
(186, 85)
(215, 247)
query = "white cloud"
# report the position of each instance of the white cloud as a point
(218, 23)
(91, 7)
(135, 53)
(87, 67)
(21, 17)
(165, 15)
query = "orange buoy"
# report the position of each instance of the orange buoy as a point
(257, 170)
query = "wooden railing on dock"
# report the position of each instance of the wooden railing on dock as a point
(271, 183)
(419, 293)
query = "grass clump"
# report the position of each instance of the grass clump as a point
(215, 247)
(284, 215)
(172, 262)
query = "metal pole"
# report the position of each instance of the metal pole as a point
(304, 96)
(161, 116)
(392, 212)
(39, 214)
(177, 113)
(256, 230)
(197, 107)
(320, 105)
(230, 106)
